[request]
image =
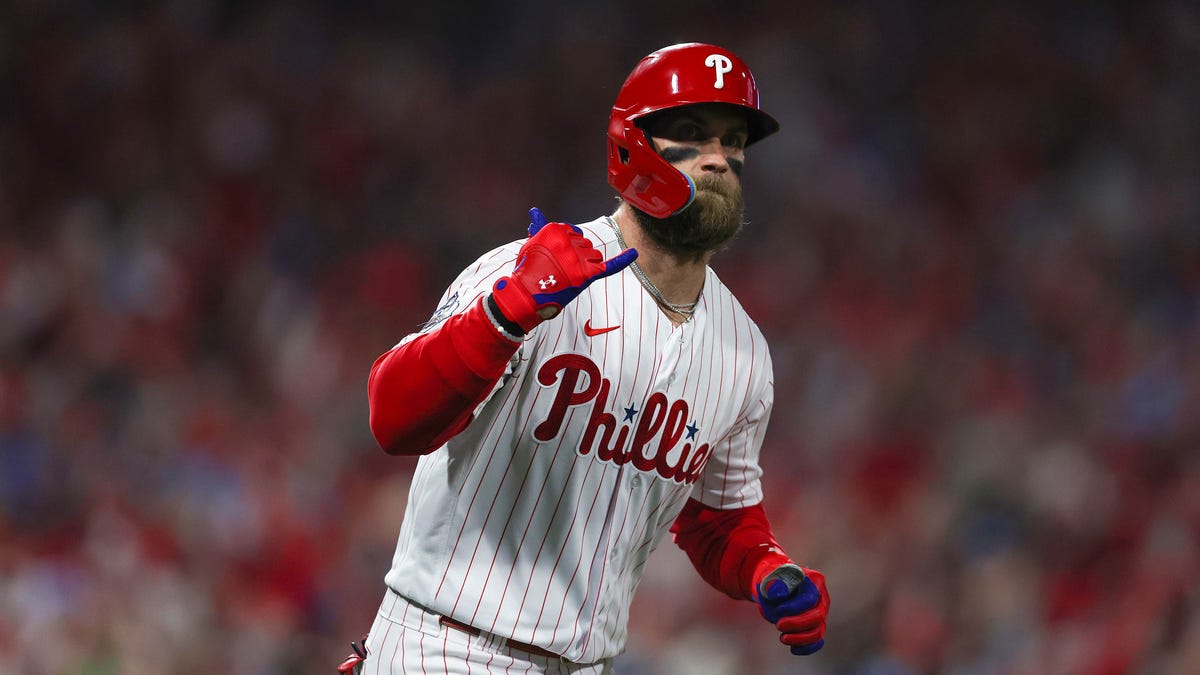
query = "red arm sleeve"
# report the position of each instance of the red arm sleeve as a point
(424, 391)
(731, 549)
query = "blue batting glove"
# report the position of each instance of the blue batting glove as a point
(796, 600)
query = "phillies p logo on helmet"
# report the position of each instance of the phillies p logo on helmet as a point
(722, 65)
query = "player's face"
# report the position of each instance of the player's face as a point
(702, 140)
(708, 143)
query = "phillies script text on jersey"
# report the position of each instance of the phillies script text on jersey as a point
(657, 414)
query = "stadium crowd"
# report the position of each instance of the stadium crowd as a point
(974, 249)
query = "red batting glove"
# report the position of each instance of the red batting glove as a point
(553, 267)
(353, 665)
(796, 601)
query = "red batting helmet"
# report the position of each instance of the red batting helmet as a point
(671, 77)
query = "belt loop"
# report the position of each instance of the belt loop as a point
(496, 641)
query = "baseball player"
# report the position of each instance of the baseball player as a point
(579, 393)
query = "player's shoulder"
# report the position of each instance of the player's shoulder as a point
(740, 333)
(600, 232)
(724, 303)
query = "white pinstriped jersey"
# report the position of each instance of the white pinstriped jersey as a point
(534, 523)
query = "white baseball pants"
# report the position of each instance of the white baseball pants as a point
(406, 639)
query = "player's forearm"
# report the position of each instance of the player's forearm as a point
(731, 549)
(424, 391)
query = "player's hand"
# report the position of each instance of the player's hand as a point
(553, 267)
(796, 601)
(353, 665)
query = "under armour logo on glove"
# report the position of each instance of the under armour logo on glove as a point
(556, 256)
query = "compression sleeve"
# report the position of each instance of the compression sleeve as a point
(732, 549)
(424, 391)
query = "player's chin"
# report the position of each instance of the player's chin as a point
(716, 201)
(719, 217)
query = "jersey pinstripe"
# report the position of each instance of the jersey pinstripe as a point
(535, 522)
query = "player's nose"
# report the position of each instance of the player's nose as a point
(712, 157)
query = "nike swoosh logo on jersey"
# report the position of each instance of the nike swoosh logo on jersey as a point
(593, 332)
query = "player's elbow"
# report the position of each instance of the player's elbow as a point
(412, 412)
(410, 435)
(390, 440)
(394, 429)
(397, 434)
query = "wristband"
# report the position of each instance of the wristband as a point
(506, 327)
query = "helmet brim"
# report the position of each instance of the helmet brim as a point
(759, 124)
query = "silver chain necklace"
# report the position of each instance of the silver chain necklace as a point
(687, 309)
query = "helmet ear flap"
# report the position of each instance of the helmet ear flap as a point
(646, 180)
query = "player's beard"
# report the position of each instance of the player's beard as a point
(708, 225)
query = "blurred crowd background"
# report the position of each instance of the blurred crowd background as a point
(974, 248)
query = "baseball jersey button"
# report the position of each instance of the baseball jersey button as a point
(636, 482)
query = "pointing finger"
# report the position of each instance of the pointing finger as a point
(617, 263)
